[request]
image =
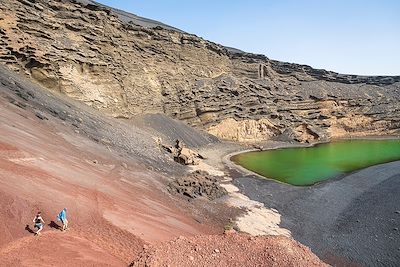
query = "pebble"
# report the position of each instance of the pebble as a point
(191, 258)
(396, 229)
(216, 250)
(397, 211)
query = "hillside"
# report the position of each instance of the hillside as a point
(92, 102)
(56, 152)
(105, 59)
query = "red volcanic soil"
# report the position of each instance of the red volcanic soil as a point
(114, 208)
(229, 250)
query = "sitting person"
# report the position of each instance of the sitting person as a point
(39, 222)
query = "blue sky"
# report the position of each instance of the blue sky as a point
(353, 36)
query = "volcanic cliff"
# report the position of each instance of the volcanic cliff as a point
(108, 164)
(114, 63)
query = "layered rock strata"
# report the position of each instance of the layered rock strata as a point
(89, 53)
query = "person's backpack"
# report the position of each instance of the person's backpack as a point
(37, 220)
(60, 216)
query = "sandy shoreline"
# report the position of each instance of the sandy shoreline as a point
(318, 216)
(258, 219)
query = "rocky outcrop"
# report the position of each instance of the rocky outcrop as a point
(183, 154)
(197, 184)
(245, 130)
(101, 57)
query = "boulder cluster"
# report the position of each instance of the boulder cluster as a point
(197, 184)
(183, 154)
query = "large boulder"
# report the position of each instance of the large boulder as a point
(183, 154)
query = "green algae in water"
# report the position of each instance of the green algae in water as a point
(307, 166)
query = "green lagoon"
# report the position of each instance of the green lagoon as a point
(307, 166)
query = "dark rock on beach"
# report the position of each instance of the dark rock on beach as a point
(198, 184)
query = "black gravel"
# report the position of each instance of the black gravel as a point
(349, 220)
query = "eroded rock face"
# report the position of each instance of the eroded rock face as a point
(88, 53)
(246, 130)
(197, 184)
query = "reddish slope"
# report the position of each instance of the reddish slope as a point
(113, 210)
(230, 250)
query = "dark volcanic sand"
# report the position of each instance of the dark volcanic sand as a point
(348, 220)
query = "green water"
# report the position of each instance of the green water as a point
(307, 166)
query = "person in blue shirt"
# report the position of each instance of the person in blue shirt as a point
(63, 218)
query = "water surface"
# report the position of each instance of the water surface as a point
(307, 166)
